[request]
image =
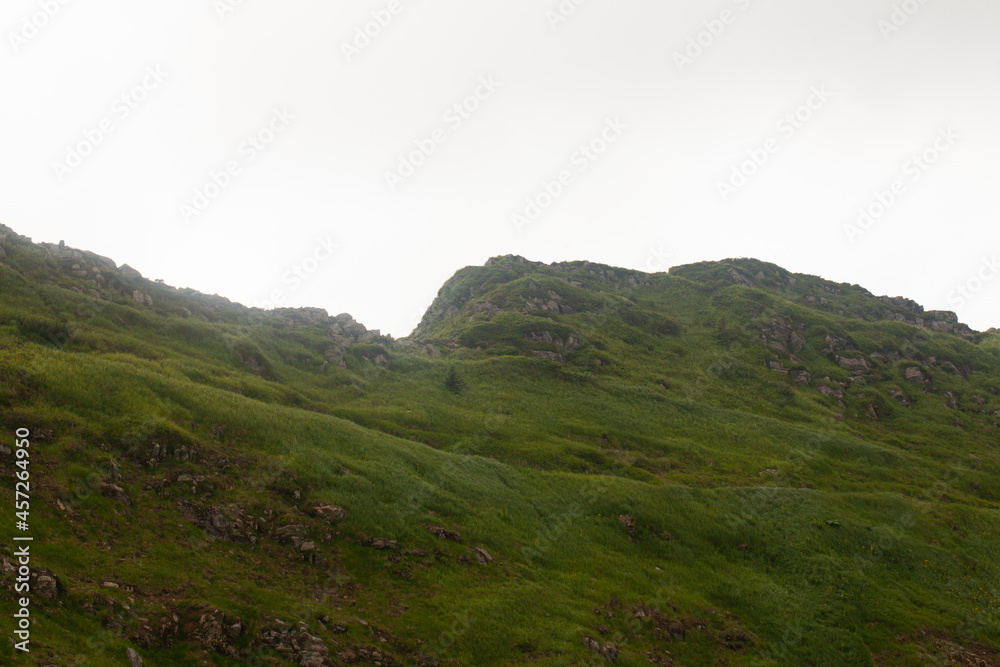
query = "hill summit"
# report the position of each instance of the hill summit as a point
(565, 463)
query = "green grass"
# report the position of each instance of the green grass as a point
(772, 530)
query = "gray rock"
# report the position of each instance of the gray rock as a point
(443, 533)
(116, 492)
(133, 658)
(801, 377)
(607, 651)
(544, 338)
(129, 272)
(899, 396)
(330, 513)
(46, 586)
(854, 364)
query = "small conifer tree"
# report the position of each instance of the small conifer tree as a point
(453, 383)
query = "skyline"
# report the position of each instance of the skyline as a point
(221, 145)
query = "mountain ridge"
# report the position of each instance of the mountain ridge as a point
(907, 309)
(565, 464)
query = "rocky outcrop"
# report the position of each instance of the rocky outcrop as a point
(133, 658)
(482, 555)
(380, 543)
(212, 629)
(909, 311)
(116, 493)
(900, 397)
(344, 332)
(443, 533)
(297, 644)
(606, 651)
(229, 523)
(328, 512)
(738, 278)
(915, 375)
(784, 335)
(801, 377)
(366, 655)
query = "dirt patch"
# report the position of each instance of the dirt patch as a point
(938, 647)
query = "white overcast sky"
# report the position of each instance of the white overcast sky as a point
(650, 201)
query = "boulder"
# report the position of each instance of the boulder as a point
(801, 377)
(854, 364)
(133, 658)
(116, 493)
(380, 543)
(46, 585)
(329, 512)
(129, 272)
(607, 651)
(443, 533)
(900, 396)
(212, 631)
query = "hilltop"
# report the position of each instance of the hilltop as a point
(566, 463)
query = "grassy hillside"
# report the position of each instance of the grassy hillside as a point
(564, 464)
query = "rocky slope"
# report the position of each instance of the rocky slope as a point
(563, 464)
